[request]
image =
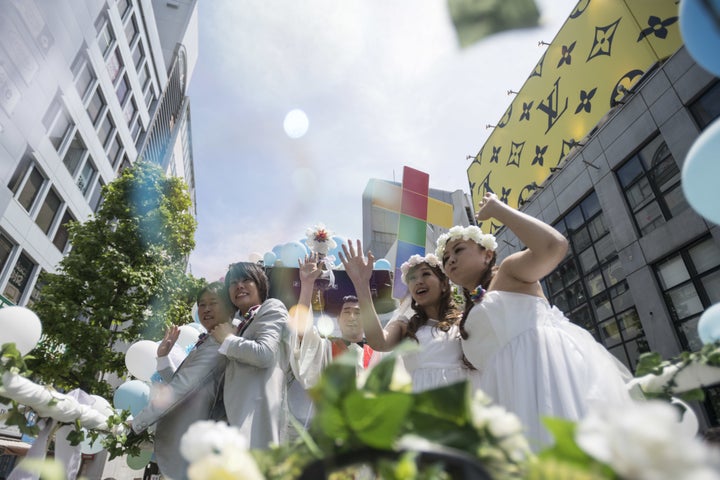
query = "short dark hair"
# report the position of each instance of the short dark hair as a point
(219, 289)
(248, 271)
(350, 299)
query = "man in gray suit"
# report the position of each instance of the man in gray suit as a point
(188, 392)
(258, 358)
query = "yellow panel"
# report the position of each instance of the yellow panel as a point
(601, 51)
(439, 213)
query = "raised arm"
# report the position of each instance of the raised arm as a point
(546, 247)
(360, 269)
(308, 273)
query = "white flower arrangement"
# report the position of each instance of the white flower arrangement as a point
(217, 450)
(472, 232)
(503, 426)
(319, 239)
(645, 440)
(416, 260)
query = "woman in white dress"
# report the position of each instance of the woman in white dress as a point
(433, 319)
(532, 359)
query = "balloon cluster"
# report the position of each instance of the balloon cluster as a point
(700, 32)
(289, 254)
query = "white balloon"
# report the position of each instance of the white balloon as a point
(188, 336)
(195, 313)
(255, 257)
(101, 405)
(197, 327)
(177, 355)
(140, 359)
(20, 326)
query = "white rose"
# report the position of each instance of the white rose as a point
(239, 465)
(645, 441)
(206, 437)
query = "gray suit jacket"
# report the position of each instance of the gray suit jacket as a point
(256, 376)
(193, 390)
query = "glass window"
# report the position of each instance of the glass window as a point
(62, 236)
(26, 162)
(19, 278)
(75, 154)
(106, 129)
(600, 303)
(84, 75)
(60, 125)
(651, 182)
(131, 30)
(6, 248)
(106, 37)
(690, 281)
(86, 177)
(138, 55)
(705, 256)
(48, 211)
(672, 272)
(96, 197)
(711, 284)
(31, 189)
(130, 110)
(96, 106)
(114, 65)
(114, 150)
(123, 7)
(707, 107)
(123, 89)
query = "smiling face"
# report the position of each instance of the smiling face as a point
(465, 262)
(426, 288)
(213, 310)
(244, 294)
(349, 322)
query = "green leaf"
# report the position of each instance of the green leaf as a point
(377, 419)
(649, 363)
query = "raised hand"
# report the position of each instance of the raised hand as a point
(168, 341)
(358, 267)
(487, 207)
(309, 271)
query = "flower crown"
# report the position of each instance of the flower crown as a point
(319, 239)
(416, 260)
(472, 232)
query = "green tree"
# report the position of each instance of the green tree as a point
(124, 279)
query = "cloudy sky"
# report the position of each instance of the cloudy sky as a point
(382, 84)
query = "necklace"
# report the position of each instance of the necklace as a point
(477, 294)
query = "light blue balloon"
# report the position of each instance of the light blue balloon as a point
(304, 242)
(701, 171)
(339, 241)
(133, 395)
(701, 34)
(709, 325)
(292, 252)
(269, 259)
(277, 249)
(382, 264)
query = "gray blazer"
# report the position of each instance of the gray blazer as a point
(256, 376)
(195, 384)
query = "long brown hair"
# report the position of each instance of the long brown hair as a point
(484, 283)
(448, 311)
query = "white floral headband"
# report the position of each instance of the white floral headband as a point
(416, 260)
(472, 232)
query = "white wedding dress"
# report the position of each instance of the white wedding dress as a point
(439, 361)
(536, 363)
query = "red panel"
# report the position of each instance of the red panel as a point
(416, 181)
(414, 205)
